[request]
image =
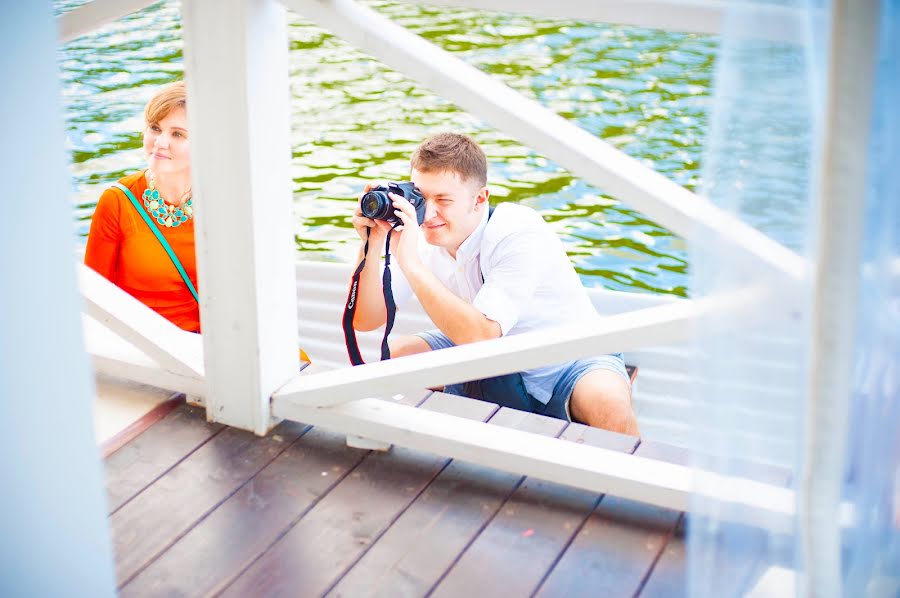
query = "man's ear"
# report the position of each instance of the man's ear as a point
(483, 195)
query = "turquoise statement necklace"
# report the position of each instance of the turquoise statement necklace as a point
(165, 213)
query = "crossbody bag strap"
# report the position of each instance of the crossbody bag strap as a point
(159, 237)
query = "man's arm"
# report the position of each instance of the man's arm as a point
(370, 309)
(456, 318)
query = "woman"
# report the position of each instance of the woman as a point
(122, 247)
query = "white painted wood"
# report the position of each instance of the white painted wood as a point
(688, 215)
(87, 17)
(696, 16)
(175, 350)
(581, 466)
(843, 171)
(113, 356)
(141, 371)
(236, 70)
(54, 535)
(322, 291)
(657, 325)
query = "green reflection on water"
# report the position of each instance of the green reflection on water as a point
(355, 120)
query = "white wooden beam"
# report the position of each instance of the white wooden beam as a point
(581, 466)
(54, 533)
(660, 325)
(92, 15)
(843, 170)
(695, 16)
(175, 350)
(143, 372)
(236, 70)
(115, 357)
(684, 213)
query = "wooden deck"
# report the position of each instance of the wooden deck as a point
(199, 509)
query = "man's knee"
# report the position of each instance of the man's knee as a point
(602, 398)
(407, 345)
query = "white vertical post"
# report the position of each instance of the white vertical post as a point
(236, 70)
(844, 160)
(54, 538)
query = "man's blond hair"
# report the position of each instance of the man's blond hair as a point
(452, 152)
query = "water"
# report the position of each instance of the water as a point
(354, 120)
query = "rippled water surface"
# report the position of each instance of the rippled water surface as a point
(354, 120)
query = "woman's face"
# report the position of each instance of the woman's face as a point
(166, 144)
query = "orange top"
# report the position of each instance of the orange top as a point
(122, 248)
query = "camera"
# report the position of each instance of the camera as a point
(377, 205)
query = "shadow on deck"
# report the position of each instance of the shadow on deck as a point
(202, 509)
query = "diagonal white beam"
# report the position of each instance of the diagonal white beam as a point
(139, 370)
(581, 466)
(684, 213)
(173, 349)
(113, 356)
(92, 15)
(695, 16)
(661, 325)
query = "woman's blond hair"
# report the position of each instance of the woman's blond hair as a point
(166, 100)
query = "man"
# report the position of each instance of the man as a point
(481, 276)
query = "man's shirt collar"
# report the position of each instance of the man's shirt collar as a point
(471, 247)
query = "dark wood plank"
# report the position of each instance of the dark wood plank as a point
(664, 452)
(316, 552)
(162, 513)
(668, 579)
(252, 519)
(581, 434)
(668, 576)
(135, 466)
(613, 552)
(424, 542)
(513, 553)
(739, 563)
(243, 527)
(136, 428)
(742, 552)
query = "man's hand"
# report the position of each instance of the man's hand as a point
(378, 228)
(405, 239)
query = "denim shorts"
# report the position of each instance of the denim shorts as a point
(509, 390)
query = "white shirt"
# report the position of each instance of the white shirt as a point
(529, 282)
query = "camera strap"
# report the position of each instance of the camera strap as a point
(350, 306)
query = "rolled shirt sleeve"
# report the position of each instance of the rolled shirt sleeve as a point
(512, 274)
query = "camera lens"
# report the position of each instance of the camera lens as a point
(372, 205)
(375, 204)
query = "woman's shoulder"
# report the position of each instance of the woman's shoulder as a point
(110, 201)
(133, 182)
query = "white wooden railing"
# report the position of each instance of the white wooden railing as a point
(236, 72)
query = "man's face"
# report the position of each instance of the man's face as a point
(453, 207)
